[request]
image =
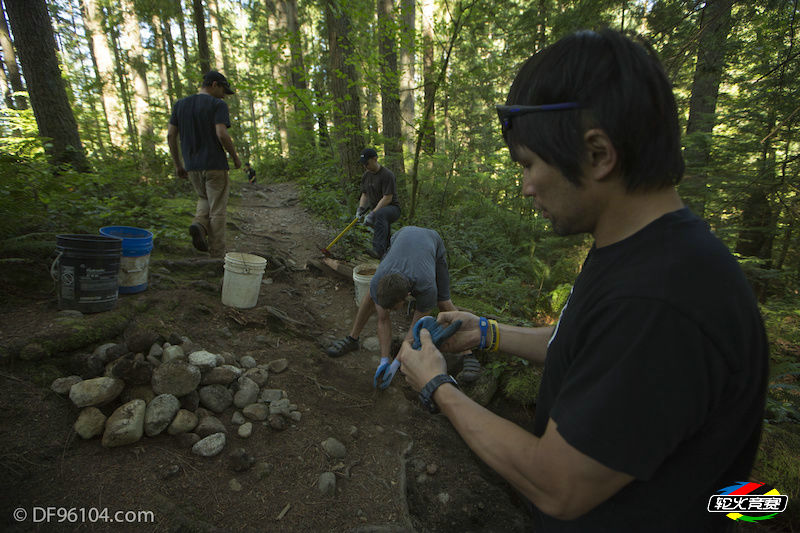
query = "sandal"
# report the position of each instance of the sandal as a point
(470, 369)
(342, 346)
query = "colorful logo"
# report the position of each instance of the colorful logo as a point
(748, 501)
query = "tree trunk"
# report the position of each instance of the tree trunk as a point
(122, 86)
(343, 83)
(302, 122)
(33, 34)
(715, 24)
(172, 63)
(202, 39)
(10, 61)
(220, 61)
(428, 78)
(390, 93)
(160, 50)
(277, 36)
(407, 82)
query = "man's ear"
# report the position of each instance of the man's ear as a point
(601, 154)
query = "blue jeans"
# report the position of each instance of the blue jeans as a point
(382, 228)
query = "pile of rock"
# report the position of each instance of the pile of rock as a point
(176, 388)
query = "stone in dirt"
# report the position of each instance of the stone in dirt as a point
(183, 422)
(277, 422)
(172, 353)
(95, 391)
(278, 365)
(62, 385)
(101, 350)
(140, 341)
(209, 446)
(176, 377)
(223, 375)
(86, 365)
(245, 430)
(259, 375)
(271, 395)
(247, 393)
(240, 460)
(247, 362)
(210, 425)
(125, 425)
(327, 483)
(141, 392)
(256, 411)
(334, 448)
(159, 414)
(203, 360)
(217, 398)
(190, 401)
(90, 423)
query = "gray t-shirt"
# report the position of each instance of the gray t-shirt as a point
(197, 117)
(419, 255)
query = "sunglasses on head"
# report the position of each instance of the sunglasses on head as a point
(506, 112)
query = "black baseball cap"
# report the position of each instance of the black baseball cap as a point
(214, 76)
(367, 154)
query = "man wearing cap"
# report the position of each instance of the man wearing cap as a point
(378, 206)
(202, 121)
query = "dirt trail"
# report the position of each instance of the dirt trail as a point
(404, 469)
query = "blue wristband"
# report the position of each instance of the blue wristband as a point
(484, 325)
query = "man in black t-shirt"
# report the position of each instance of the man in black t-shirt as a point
(378, 205)
(201, 121)
(655, 374)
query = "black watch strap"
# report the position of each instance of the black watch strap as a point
(426, 394)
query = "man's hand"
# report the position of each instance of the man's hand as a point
(181, 172)
(438, 333)
(369, 220)
(468, 335)
(361, 212)
(236, 161)
(420, 366)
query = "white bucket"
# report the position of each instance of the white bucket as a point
(242, 281)
(362, 275)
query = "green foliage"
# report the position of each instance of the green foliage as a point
(778, 464)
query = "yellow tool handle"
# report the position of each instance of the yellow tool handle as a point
(345, 230)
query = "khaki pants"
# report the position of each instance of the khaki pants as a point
(212, 188)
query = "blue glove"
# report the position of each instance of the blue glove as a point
(369, 220)
(438, 333)
(361, 213)
(385, 373)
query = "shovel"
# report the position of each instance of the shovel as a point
(327, 250)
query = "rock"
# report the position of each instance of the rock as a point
(187, 440)
(443, 497)
(101, 350)
(215, 397)
(237, 418)
(140, 392)
(209, 446)
(116, 351)
(247, 362)
(202, 413)
(170, 472)
(87, 365)
(62, 385)
(210, 425)
(247, 393)
(156, 351)
(277, 422)
(245, 430)
(90, 423)
(95, 391)
(172, 353)
(262, 469)
(153, 360)
(33, 352)
(278, 365)
(69, 313)
(175, 377)
(240, 460)
(258, 374)
(203, 360)
(190, 401)
(334, 448)
(371, 344)
(353, 432)
(225, 332)
(141, 340)
(256, 411)
(174, 338)
(130, 371)
(125, 425)
(271, 395)
(431, 469)
(160, 413)
(230, 359)
(483, 389)
(183, 422)
(234, 485)
(327, 483)
(280, 407)
(224, 375)
(296, 416)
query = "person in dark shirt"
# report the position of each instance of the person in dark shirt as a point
(378, 205)
(201, 121)
(250, 172)
(654, 382)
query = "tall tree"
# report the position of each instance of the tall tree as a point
(202, 38)
(280, 78)
(302, 123)
(343, 83)
(407, 58)
(428, 125)
(33, 36)
(10, 62)
(390, 91)
(220, 59)
(715, 24)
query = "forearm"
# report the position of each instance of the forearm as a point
(528, 343)
(383, 202)
(362, 202)
(174, 151)
(227, 144)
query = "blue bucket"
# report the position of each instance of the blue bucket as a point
(137, 244)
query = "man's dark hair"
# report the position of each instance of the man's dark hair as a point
(392, 289)
(621, 88)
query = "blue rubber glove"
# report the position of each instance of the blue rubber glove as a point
(385, 373)
(369, 220)
(438, 333)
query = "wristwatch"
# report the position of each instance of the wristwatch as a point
(426, 394)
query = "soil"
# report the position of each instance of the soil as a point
(405, 470)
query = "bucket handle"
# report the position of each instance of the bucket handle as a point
(53, 271)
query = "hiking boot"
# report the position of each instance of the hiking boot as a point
(470, 369)
(342, 346)
(198, 234)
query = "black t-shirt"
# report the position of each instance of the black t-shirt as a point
(379, 185)
(658, 369)
(196, 117)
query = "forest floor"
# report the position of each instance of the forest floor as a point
(404, 469)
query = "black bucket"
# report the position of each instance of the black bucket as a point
(86, 272)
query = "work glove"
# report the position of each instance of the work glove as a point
(385, 373)
(369, 220)
(438, 333)
(361, 212)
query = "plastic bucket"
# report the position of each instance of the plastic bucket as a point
(242, 280)
(137, 244)
(362, 275)
(85, 271)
